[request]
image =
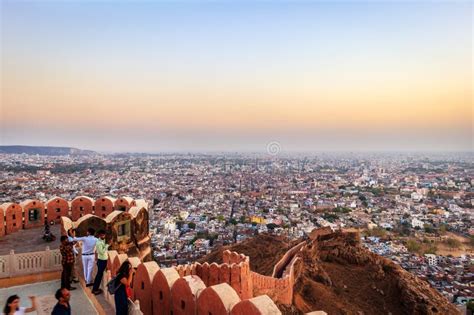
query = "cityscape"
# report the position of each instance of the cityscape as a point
(236, 157)
(415, 209)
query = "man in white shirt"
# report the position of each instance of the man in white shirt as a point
(88, 254)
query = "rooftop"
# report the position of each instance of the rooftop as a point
(29, 240)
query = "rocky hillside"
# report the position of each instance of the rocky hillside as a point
(20, 149)
(263, 250)
(338, 275)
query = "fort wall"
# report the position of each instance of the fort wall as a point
(227, 288)
(32, 213)
(13, 217)
(2, 222)
(180, 290)
(281, 265)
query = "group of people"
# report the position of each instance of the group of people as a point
(91, 247)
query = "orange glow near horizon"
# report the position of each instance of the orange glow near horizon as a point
(289, 75)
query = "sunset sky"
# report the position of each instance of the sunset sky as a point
(155, 76)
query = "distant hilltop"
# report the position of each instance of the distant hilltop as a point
(20, 149)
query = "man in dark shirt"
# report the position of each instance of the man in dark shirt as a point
(67, 253)
(62, 307)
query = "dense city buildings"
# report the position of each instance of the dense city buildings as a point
(416, 209)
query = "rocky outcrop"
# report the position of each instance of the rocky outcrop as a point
(264, 252)
(338, 275)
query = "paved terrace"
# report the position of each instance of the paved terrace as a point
(44, 291)
(29, 240)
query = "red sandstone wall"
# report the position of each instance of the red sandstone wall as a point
(181, 291)
(217, 299)
(184, 295)
(261, 305)
(79, 203)
(57, 208)
(245, 308)
(237, 274)
(103, 206)
(118, 261)
(13, 218)
(142, 285)
(279, 290)
(30, 205)
(229, 257)
(161, 293)
(16, 217)
(2, 222)
(110, 261)
(122, 204)
(285, 260)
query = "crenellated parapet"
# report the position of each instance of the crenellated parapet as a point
(280, 286)
(32, 213)
(260, 305)
(235, 271)
(127, 229)
(180, 290)
(126, 220)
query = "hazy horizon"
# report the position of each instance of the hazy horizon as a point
(233, 77)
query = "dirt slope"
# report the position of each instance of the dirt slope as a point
(263, 250)
(338, 275)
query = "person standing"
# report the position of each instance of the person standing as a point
(123, 293)
(102, 256)
(62, 307)
(12, 307)
(88, 254)
(71, 234)
(67, 261)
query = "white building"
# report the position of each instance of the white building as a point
(416, 196)
(416, 223)
(170, 226)
(431, 259)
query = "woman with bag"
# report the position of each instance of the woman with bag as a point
(123, 292)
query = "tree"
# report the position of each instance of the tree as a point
(192, 225)
(442, 229)
(211, 238)
(413, 246)
(403, 229)
(428, 228)
(470, 305)
(341, 210)
(453, 243)
(432, 248)
(378, 232)
(179, 224)
(271, 226)
(331, 217)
